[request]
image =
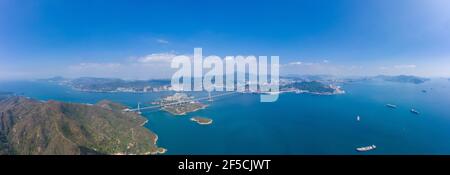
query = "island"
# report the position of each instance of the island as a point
(319, 84)
(312, 87)
(111, 85)
(403, 79)
(202, 120)
(34, 127)
(180, 104)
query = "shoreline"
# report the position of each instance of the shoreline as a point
(313, 93)
(159, 150)
(199, 121)
(185, 113)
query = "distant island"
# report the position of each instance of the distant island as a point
(403, 79)
(313, 84)
(308, 78)
(202, 120)
(330, 85)
(304, 84)
(32, 127)
(329, 79)
(111, 85)
(313, 87)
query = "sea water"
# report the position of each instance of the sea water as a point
(296, 123)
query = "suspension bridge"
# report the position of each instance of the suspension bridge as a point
(159, 106)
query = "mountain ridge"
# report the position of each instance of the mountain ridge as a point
(29, 126)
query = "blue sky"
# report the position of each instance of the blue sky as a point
(40, 38)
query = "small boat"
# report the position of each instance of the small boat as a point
(414, 111)
(391, 106)
(366, 148)
(358, 118)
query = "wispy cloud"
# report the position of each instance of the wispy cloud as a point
(320, 67)
(94, 65)
(157, 57)
(155, 65)
(408, 66)
(403, 66)
(295, 63)
(162, 41)
(410, 69)
(383, 67)
(300, 63)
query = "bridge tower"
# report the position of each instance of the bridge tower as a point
(139, 108)
(209, 96)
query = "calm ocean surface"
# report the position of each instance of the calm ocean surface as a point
(296, 123)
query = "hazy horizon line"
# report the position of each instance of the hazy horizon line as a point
(168, 78)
